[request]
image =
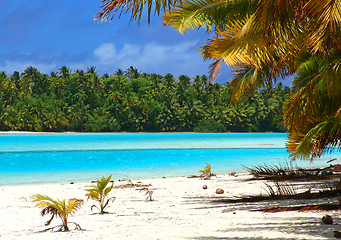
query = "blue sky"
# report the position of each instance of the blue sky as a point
(50, 34)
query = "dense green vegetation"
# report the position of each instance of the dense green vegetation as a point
(131, 101)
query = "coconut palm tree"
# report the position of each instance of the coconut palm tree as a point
(58, 208)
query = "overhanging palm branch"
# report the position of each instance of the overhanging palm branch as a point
(316, 99)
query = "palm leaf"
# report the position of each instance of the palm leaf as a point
(325, 136)
(327, 25)
(316, 98)
(111, 7)
(191, 14)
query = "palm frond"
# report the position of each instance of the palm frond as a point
(327, 25)
(214, 70)
(316, 99)
(208, 14)
(325, 136)
(245, 82)
(74, 205)
(111, 7)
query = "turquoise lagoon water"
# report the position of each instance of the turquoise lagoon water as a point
(43, 158)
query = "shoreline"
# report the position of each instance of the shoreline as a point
(47, 133)
(181, 209)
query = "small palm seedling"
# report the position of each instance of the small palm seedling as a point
(206, 172)
(100, 193)
(58, 208)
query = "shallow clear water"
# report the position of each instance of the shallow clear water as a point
(37, 158)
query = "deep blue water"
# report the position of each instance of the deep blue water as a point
(35, 158)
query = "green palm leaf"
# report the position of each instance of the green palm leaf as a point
(325, 136)
(100, 193)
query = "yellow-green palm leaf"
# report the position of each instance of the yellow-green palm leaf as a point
(207, 14)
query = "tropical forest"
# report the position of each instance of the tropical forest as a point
(132, 101)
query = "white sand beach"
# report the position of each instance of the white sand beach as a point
(177, 212)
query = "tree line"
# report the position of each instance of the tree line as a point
(131, 101)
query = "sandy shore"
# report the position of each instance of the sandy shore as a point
(175, 213)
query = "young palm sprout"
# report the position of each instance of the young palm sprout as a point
(206, 172)
(58, 208)
(100, 192)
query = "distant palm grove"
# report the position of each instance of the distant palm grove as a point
(131, 101)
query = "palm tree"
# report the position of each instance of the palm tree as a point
(132, 73)
(119, 72)
(58, 208)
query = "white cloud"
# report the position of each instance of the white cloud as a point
(180, 58)
(177, 59)
(129, 51)
(106, 53)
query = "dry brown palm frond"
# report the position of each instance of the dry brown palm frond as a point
(314, 207)
(214, 70)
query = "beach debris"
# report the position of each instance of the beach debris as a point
(100, 192)
(233, 174)
(316, 207)
(219, 191)
(290, 172)
(130, 184)
(204, 186)
(327, 219)
(149, 194)
(337, 234)
(58, 208)
(331, 160)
